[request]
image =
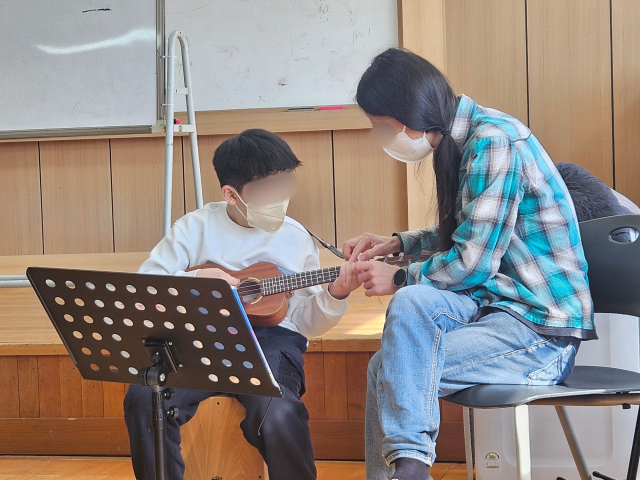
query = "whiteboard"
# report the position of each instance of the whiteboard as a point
(78, 64)
(279, 53)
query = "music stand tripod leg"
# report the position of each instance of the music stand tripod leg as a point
(156, 378)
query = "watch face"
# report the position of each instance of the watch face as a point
(400, 278)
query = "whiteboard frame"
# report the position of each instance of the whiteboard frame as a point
(115, 130)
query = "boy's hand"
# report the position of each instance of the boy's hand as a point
(217, 273)
(346, 283)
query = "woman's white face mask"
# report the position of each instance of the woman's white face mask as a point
(407, 149)
(265, 217)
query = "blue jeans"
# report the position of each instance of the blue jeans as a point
(429, 349)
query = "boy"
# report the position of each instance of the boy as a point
(256, 174)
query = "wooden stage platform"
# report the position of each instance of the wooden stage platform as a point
(48, 409)
(92, 468)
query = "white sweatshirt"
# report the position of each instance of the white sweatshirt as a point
(208, 235)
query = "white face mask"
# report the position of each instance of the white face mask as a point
(265, 217)
(407, 149)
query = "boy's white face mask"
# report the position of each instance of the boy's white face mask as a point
(265, 217)
(407, 149)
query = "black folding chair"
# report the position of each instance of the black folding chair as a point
(614, 278)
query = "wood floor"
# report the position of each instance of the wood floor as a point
(97, 468)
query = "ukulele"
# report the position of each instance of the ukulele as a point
(265, 291)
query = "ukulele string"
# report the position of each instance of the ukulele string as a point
(256, 288)
(315, 276)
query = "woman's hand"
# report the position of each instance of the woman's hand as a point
(346, 283)
(370, 246)
(217, 273)
(376, 277)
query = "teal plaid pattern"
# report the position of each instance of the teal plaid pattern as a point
(517, 245)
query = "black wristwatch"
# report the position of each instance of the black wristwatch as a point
(400, 277)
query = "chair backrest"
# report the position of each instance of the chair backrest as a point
(614, 268)
(626, 203)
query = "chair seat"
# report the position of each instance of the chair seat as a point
(584, 380)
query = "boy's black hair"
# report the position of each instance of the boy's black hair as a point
(251, 155)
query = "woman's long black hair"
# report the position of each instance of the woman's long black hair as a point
(404, 86)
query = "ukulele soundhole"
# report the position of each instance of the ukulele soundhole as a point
(252, 287)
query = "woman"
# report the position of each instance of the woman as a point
(501, 292)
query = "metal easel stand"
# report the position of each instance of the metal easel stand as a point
(13, 281)
(170, 127)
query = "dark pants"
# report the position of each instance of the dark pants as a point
(277, 427)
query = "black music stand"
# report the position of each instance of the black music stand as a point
(158, 330)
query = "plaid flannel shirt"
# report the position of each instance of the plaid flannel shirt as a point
(517, 246)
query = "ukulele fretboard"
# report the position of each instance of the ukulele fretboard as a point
(287, 283)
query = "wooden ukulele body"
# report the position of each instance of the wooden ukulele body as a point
(267, 311)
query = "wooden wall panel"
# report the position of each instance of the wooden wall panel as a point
(450, 412)
(137, 166)
(207, 145)
(487, 60)
(114, 398)
(370, 187)
(20, 212)
(357, 364)
(335, 386)
(421, 29)
(312, 205)
(626, 96)
(9, 382)
(570, 82)
(70, 389)
(314, 380)
(64, 436)
(49, 386)
(92, 399)
(28, 386)
(76, 196)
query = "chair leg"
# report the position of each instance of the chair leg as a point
(574, 446)
(634, 459)
(468, 443)
(523, 447)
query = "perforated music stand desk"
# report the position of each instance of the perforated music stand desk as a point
(158, 330)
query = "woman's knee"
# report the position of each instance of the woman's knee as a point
(409, 304)
(414, 297)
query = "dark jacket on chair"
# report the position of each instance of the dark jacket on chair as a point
(592, 198)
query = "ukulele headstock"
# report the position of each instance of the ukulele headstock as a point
(400, 260)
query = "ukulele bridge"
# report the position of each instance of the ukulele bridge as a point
(256, 290)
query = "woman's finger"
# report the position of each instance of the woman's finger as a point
(347, 247)
(374, 251)
(362, 265)
(364, 244)
(364, 277)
